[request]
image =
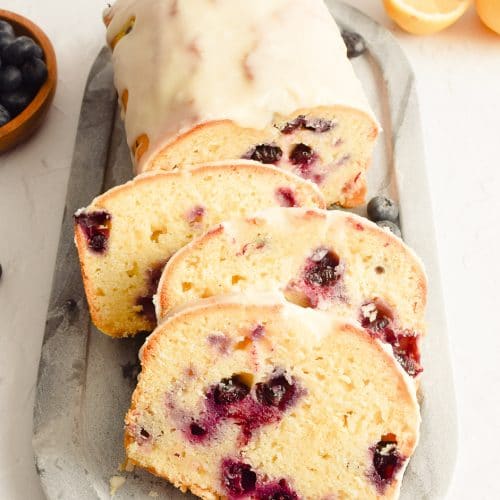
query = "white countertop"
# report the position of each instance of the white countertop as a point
(458, 79)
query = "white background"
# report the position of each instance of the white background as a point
(458, 79)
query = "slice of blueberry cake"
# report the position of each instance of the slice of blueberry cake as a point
(329, 260)
(274, 89)
(126, 235)
(260, 399)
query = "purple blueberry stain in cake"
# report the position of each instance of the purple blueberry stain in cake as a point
(219, 342)
(153, 275)
(386, 463)
(342, 161)
(195, 215)
(96, 227)
(377, 318)
(286, 197)
(269, 154)
(317, 125)
(258, 332)
(257, 244)
(238, 478)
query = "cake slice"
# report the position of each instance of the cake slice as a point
(318, 259)
(125, 237)
(256, 398)
(273, 88)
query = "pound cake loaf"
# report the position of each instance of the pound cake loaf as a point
(241, 398)
(126, 235)
(319, 259)
(204, 80)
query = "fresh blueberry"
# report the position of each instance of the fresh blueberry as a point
(16, 101)
(6, 27)
(5, 40)
(20, 50)
(393, 228)
(10, 78)
(382, 208)
(354, 42)
(4, 116)
(34, 72)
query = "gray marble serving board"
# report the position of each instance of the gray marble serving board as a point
(86, 379)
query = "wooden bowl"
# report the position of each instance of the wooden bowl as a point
(27, 122)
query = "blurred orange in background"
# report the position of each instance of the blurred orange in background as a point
(424, 17)
(489, 12)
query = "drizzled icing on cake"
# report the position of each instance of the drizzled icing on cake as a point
(245, 61)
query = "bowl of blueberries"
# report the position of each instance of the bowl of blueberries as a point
(28, 77)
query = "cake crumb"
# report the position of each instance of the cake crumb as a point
(153, 494)
(115, 483)
(126, 466)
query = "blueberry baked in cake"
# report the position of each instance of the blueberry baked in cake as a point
(202, 81)
(329, 260)
(126, 235)
(271, 401)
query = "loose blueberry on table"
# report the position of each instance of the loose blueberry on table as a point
(393, 228)
(354, 42)
(382, 208)
(23, 71)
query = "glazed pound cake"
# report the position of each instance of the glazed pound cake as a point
(318, 259)
(126, 235)
(202, 81)
(242, 398)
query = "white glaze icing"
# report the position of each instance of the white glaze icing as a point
(192, 61)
